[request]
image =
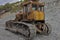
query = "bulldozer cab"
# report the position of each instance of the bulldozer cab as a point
(31, 6)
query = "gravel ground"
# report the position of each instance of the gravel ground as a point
(52, 17)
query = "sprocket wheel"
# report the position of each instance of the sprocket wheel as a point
(44, 28)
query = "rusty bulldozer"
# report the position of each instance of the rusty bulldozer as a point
(31, 21)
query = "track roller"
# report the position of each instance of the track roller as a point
(44, 28)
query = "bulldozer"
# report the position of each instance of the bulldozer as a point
(30, 21)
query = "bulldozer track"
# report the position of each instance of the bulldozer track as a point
(28, 32)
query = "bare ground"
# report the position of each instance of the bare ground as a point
(52, 17)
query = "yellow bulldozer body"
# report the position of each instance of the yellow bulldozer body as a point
(36, 15)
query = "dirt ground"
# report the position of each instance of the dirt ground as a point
(52, 17)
